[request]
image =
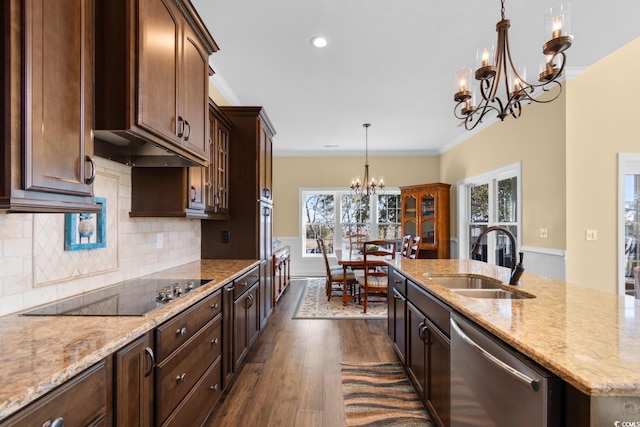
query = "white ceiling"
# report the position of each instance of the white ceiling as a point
(390, 63)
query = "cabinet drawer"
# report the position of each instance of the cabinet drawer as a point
(437, 312)
(178, 374)
(82, 401)
(178, 330)
(398, 281)
(199, 403)
(244, 282)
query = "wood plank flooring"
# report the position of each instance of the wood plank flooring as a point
(291, 377)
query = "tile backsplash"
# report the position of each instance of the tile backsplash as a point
(36, 269)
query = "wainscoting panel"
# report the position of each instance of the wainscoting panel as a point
(551, 263)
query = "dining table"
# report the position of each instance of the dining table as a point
(355, 259)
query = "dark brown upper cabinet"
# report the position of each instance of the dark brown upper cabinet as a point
(152, 90)
(48, 65)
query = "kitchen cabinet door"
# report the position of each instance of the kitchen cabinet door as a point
(194, 92)
(160, 37)
(417, 353)
(438, 394)
(134, 382)
(217, 173)
(246, 323)
(48, 109)
(397, 322)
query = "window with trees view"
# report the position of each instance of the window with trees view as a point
(335, 215)
(487, 200)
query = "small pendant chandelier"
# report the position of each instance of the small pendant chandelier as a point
(366, 186)
(495, 71)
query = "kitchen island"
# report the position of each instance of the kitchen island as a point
(588, 338)
(39, 353)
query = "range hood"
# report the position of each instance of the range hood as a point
(132, 150)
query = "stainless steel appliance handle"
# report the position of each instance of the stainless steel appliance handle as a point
(534, 384)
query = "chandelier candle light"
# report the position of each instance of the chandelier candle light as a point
(366, 187)
(496, 69)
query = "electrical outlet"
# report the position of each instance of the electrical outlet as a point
(224, 236)
(544, 233)
(592, 234)
(159, 240)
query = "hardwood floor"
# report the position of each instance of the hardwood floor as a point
(292, 375)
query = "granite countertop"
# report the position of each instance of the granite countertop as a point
(589, 338)
(38, 353)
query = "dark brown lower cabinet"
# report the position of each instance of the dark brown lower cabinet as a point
(417, 361)
(134, 375)
(397, 314)
(227, 334)
(246, 311)
(427, 357)
(85, 400)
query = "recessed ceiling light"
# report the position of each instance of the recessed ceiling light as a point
(319, 42)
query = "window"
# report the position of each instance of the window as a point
(487, 200)
(336, 214)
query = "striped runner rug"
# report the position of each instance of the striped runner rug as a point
(380, 395)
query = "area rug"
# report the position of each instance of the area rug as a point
(380, 395)
(313, 304)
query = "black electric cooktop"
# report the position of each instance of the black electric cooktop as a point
(137, 297)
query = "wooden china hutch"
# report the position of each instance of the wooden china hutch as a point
(425, 213)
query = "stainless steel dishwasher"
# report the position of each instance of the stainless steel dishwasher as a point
(492, 385)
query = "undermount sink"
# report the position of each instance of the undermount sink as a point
(465, 282)
(492, 294)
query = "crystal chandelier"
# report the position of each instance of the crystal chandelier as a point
(366, 186)
(496, 70)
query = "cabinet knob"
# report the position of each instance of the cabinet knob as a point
(215, 341)
(182, 331)
(215, 306)
(181, 378)
(215, 387)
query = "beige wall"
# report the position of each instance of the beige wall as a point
(601, 122)
(536, 140)
(290, 174)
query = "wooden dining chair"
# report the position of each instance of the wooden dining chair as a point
(414, 247)
(356, 241)
(335, 275)
(374, 279)
(405, 249)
